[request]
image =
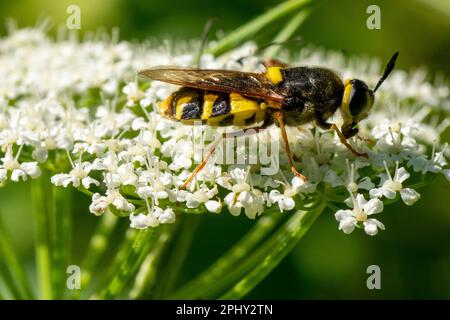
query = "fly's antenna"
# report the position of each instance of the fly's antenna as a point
(205, 33)
(389, 67)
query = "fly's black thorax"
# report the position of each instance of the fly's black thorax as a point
(312, 92)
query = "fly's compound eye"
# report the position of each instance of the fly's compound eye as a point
(358, 99)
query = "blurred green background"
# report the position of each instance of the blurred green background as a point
(413, 253)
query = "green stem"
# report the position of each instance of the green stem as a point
(179, 252)
(97, 247)
(282, 240)
(333, 207)
(249, 29)
(146, 275)
(206, 29)
(122, 252)
(287, 32)
(121, 279)
(9, 281)
(290, 234)
(262, 228)
(41, 193)
(61, 239)
(85, 191)
(148, 246)
(12, 268)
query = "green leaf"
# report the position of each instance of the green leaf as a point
(148, 269)
(129, 264)
(185, 234)
(288, 236)
(239, 279)
(250, 29)
(286, 33)
(240, 250)
(96, 248)
(11, 269)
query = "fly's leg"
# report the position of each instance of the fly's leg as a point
(368, 140)
(348, 145)
(278, 117)
(212, 148)
(331, 126)
(201, 165)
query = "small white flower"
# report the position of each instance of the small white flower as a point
(362, 209)
(213, 206)
(397, 143)
(391, 185)
(18, 170)
(233, 205)
(352, 185)
(284, 200)
(78, 176)
(113, 197)
(242, 194)
(331, 177)
(108, 163)
(203, 195)
(251, 201)
(154, 184)
(119, 201)
(182, 153)
(157, 92)
(423, 165)
(150, 139)
(236, 179)
(176, 195)
(155, 191)
(142, 221)
(134, 94)
(164, 216)
(405, 127)
(99, 204)
(127, 174)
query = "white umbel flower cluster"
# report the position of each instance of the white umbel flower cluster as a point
(77, 110)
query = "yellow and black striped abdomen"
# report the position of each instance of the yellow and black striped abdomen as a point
(213, 108)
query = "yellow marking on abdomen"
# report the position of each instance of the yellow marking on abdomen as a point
(243, 109)
(260, 115)
(181, 103)
(215, 121)
(208, 103)
(165, 107)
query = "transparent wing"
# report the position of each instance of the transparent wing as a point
(246, 83)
